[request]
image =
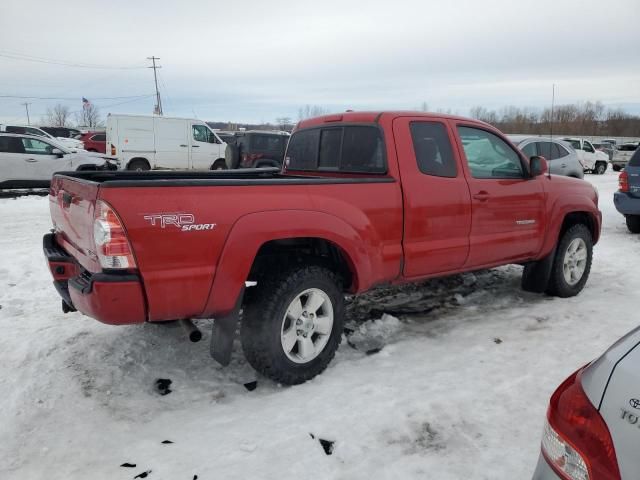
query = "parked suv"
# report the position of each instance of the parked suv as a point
(27, 161)
(622, 155)
(562, 158)
(255, 149)
(627, 198)
(94, 141)
(38, 132)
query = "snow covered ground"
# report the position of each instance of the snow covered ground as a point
(459, 390)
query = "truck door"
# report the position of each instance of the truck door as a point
(172, 143)
(437, 205)
(205, 147)
(507, 205)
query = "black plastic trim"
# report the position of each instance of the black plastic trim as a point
(53, 252)
(84, 282)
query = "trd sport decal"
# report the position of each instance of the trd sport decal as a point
(186, 222)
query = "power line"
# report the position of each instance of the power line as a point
(31, 58)
(75, 98)
(158, 109)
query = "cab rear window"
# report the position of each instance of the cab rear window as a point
(349, 149)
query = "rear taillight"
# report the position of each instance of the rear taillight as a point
(576, 442)
(623, 182)
(112, 245)
(113, 149)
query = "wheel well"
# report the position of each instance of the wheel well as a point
(140, 159)
(218, 160)
(278, 254)
(575, 218)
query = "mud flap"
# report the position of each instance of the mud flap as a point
(223, 334)
(536, 275)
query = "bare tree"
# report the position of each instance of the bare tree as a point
(309, 111)
(58, 116)
(89, 116)
(283, 122)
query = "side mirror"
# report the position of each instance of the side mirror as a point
(57, 152)
(538, 166)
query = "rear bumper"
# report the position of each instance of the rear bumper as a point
(626, 204)
(544, 471)
(113, 298)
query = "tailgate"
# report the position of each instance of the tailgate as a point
(72, 202)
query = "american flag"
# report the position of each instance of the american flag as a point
(85, 103)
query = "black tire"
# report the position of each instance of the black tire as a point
(138, 164)
(558, 285)
(601, 167)
(633, 223)
(264, 317)
(219, 164)
(232, 155)
(617, 168)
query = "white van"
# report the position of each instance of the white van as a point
(143, 142)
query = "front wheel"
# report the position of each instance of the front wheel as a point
(293, 325)
(219, 164)
(601, 167)
(633, 223)
(572, 262)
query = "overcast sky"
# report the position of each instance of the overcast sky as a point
(253, 61)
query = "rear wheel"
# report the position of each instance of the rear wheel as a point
(572, 262)
(293, 325)
(633, 223)
(138, 164)
(617, 168)
(601, 167)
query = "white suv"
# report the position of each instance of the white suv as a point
(30, 162)
(70, 143)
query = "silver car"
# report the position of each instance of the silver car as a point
(593, 422)
(560, 155)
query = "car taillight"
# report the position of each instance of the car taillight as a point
(112, 245)
(623, 182)
(113, 149)
(576, 442)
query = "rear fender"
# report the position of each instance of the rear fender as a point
(252, 231)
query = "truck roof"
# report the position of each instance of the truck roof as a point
(374, 116)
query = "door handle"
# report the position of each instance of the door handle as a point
(564, 165)
(195, 146)
(30, 160)
(482, 196)
(183, 145)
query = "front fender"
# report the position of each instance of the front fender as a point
(252, 231)
(563, 206)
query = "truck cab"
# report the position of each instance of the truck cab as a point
(593, 161)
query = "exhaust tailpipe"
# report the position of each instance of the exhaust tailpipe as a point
(194, 333)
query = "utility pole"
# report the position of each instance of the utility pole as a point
(26, 106)
(158, 108)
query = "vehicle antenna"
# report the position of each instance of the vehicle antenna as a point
(553, 101)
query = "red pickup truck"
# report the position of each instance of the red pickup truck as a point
(363, 199)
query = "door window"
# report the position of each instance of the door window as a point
(559, 150)
(433, 149)
(36, 147)
(101, 137)
(203, 134)
(588, 147)
(545, 150)
(488, 156)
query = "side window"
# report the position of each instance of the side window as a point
(36, 147)
(362, 150)
(303, 150)
(560, 151)
(488, 155)
(200, 133)
(4, 144)
(588, 147)
(12, 129)
(329, 154)
(101, 137)
(433, 149)
(544, 149)
(530, 149)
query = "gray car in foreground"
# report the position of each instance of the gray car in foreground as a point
(560, 155)
(593, 422)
